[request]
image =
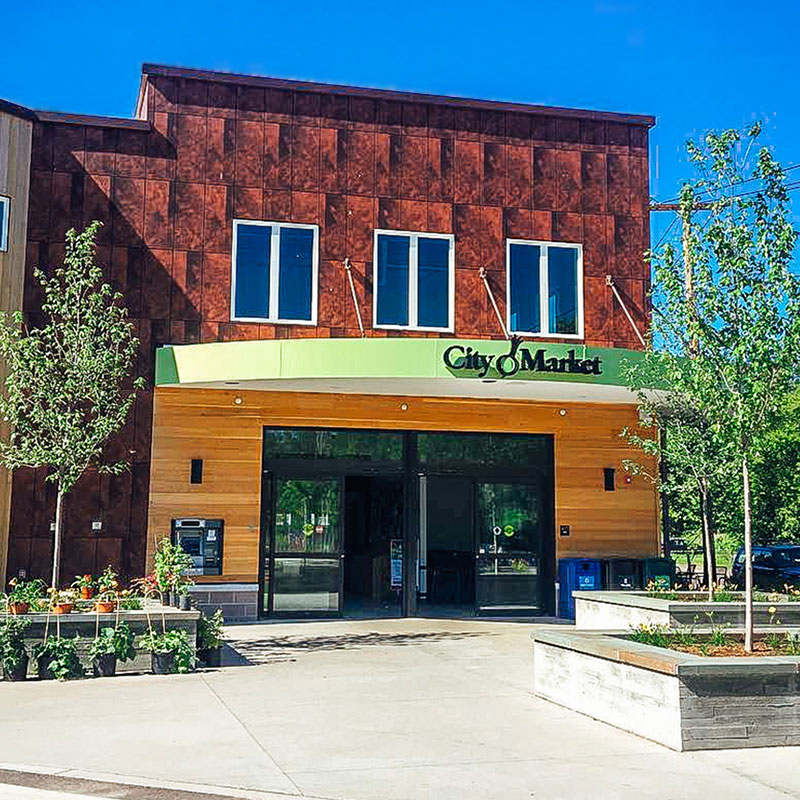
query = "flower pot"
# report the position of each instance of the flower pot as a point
(62, 608)
(175, 599)
(17, 608)
(104, 606)
(162, 663)
(43, 670)
(185, 603)
(87, 593)
(19, 673)
(104, 666)
(210, 658)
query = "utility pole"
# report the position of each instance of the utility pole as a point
(685, 213)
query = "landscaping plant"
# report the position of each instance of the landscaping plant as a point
(13, 653)
(726, 329)
(67, 384)
(85, 585)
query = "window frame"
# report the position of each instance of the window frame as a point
(544, 315)
(274, 273)
(6, 201)
(413, 280)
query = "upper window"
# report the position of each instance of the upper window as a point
(5, 211)
(274, 272)
(545, 288)
(414, 280)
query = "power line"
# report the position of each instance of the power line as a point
(746, 180)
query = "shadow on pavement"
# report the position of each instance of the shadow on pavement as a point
(271, 649)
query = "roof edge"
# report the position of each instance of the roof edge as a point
(65, 118)
(7, 107)
(391, 94)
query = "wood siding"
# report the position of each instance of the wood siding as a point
(15, 169)
(207, 424)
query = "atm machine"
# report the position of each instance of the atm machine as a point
(202, 540)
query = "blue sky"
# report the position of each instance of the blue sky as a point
(694, 65)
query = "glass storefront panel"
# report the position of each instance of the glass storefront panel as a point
(483, 449)
(510, 522)
(307, 516)
(333, 444)
(306, 584)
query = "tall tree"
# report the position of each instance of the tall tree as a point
(67, 385)
(730, 346)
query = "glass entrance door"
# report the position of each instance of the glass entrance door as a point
(511, 520)
(306, 574)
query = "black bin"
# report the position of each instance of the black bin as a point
(622, 574)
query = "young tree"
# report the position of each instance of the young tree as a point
(727, 326)
(65, 385)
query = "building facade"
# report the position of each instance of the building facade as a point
(382, 351)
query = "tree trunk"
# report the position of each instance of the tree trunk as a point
(748, 560)
(708, 544)
(57, 538)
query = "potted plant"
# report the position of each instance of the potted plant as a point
(24, 595)
(85, 585)
(107, 586)
(170, 564)
(209, 639)
(62, 601)
(170, 651)
(184, 596)
(110, 646)
(13, 654)
(57, 657)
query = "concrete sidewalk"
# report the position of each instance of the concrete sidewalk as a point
(363, 710)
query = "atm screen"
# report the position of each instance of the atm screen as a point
(191, 545)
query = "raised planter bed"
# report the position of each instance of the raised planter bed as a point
(84, 624)
(624, 610)
(684, 701)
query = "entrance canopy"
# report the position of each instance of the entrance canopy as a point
(407, 366)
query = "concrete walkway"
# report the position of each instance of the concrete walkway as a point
(361, 710)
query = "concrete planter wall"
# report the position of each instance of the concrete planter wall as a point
(683, 701)
(623, 610)
(84, 625)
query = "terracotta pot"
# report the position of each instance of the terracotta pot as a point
(105, 666)
(162, 663)
(62, 608)
(104, 606)
(17, 608)
(87, 593)
(18, 674)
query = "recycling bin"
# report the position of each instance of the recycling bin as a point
(583, 574)
(622, 574)
(660, 572)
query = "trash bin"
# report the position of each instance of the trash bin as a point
(576, 574)
(660, 572)
(622, 574)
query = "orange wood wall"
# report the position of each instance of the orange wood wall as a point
(207, 424)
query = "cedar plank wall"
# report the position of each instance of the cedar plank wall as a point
(623, 522)
(349, 163)
(15, 157)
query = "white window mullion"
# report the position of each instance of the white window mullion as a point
(413, 282)
(544, 307)
(274, 270)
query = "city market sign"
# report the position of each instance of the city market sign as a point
(525, 361)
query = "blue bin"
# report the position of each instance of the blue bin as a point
(582, 574)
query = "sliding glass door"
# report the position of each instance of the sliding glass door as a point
(510, 525)
(306, 572)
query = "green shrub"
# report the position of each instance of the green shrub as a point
(117, 641)
(63, 657)
(171, 641)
